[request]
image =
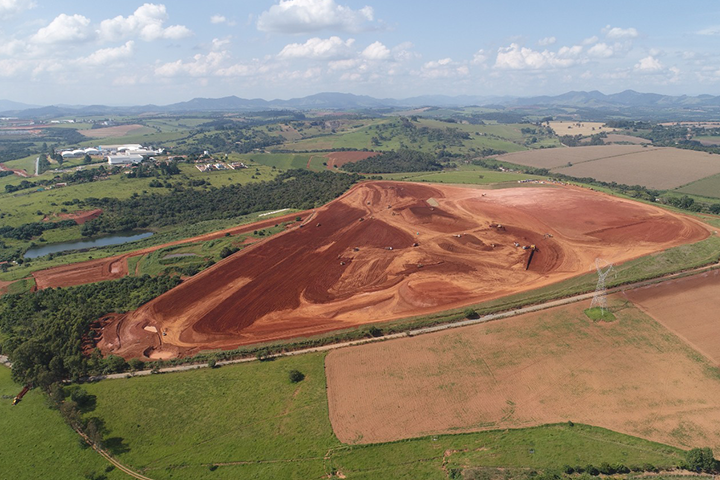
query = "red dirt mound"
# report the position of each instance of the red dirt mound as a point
(389, 250)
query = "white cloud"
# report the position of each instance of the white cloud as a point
(710, 31)
(64, 29)
(109, 55)
(201, 65)
(544, 42)
(649, 64)
(218, 19)
(332, 47)
(601, 50)
(617, 33)
(403, 52)
(10, 8)
(479, 57)
(146, 23)
(444, 68)
(307, 16)
(515, 57)
(589, 40)
(376, 51)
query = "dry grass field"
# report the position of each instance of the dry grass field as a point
(689, 307)
(660, 168)
(632, 376)
(579, 128)
(559, 157)
(115, 132)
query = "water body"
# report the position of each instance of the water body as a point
(117, 239)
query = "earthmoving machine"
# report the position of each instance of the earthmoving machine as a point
(530, 257)
(21, 394)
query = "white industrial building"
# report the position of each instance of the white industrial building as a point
(124, 159)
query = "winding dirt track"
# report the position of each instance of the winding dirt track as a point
(355, 262)
(112, 268)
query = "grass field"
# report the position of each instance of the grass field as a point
(466, 174)
(707, 187)
(36, 443)
(253, 423)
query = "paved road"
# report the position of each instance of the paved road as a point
(421, 331)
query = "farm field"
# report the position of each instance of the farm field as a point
(559, 157)
(688, 307)
(355, 260)
(36, 443)
(659, 168)
(253, 423)
(579, 128)
(707, 187)
(116, 132)
(631, 375)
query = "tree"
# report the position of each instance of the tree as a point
(87, 160)
(701, 460)
(296, 376)
(470, 313)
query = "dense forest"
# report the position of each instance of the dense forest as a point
(299, 189)
(392, 162)
(43, 332)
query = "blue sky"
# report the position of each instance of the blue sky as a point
(129, 52)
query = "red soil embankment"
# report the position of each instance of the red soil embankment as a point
(388, 250)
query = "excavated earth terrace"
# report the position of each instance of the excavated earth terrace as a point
(389, 250)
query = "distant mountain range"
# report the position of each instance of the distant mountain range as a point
(594, 100)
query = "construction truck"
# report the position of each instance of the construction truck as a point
(20, 395)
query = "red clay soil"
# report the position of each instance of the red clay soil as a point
(81, 216)
(338, 159)
(112, 268)
(687, 306)
(4, 286)
(19, 173)
(354, 262)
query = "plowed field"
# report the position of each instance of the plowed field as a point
(388, 250)
(689, 307)
(632, 376)
(338, 159)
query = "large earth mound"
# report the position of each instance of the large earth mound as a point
(388, 250)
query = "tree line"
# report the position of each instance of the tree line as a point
(403, 160)
(301, 189)
(45, 332)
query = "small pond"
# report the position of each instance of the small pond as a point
(117, 239)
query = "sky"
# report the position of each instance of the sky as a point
(129, 52)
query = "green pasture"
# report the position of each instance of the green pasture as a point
(467, 174)
(36, 443)
(250, 421)
(26, 163)
(706, 187)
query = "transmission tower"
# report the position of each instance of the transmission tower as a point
(600, 298)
